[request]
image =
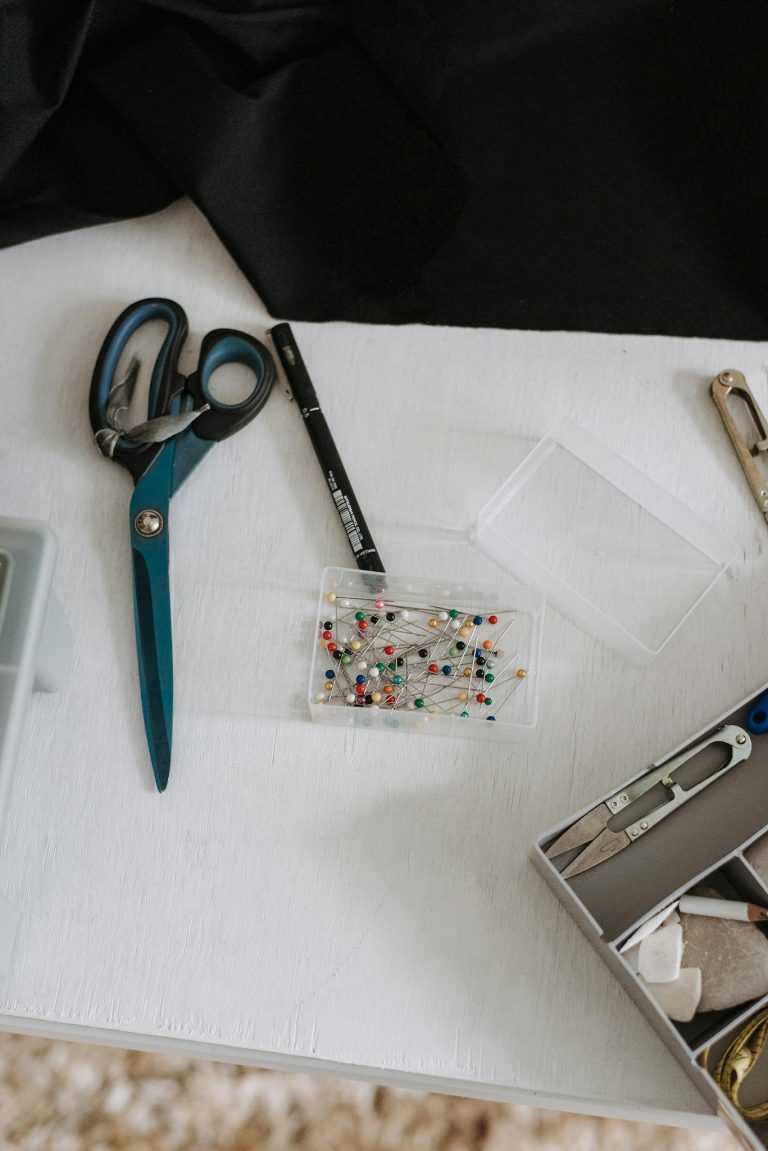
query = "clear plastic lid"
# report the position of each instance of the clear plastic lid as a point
(609, 547)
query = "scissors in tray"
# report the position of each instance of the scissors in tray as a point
(600, 842)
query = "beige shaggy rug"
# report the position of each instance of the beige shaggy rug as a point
(67, 1097)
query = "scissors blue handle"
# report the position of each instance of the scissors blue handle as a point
(159, 469)
(757, 720)
(223, 346)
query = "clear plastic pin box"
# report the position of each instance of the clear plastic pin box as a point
(400, 653)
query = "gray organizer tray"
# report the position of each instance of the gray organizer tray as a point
(35, 642)
(707, 840)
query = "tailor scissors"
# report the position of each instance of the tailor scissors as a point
(184, 421)
(598, 840)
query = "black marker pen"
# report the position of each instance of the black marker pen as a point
(347, 507)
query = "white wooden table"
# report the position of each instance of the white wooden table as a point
(306, 898)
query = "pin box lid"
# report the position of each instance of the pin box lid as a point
(609, 547)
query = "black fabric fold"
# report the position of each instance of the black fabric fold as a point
(554, 164)
(316, 163)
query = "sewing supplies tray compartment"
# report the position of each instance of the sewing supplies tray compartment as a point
(35, 642)
(709, 841)
(34, 635)
(421, 655)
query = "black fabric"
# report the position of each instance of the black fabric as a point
(548, 164)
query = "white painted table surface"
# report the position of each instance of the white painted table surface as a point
(312, 898)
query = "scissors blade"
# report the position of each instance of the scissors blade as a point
(153, 648)
(606, 844)
(152, 611)
(583, 831)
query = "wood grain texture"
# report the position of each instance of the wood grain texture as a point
(310, 896)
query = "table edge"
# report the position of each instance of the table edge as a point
(385, 1076)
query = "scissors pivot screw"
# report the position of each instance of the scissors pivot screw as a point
(148, 523)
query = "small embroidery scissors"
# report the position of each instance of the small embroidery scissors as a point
(184, 421)
(602, 843)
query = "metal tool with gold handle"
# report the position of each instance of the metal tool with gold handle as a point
(751, 444)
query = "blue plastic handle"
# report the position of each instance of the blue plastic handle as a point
(138, 458)
(228, 346)
(757, 720)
